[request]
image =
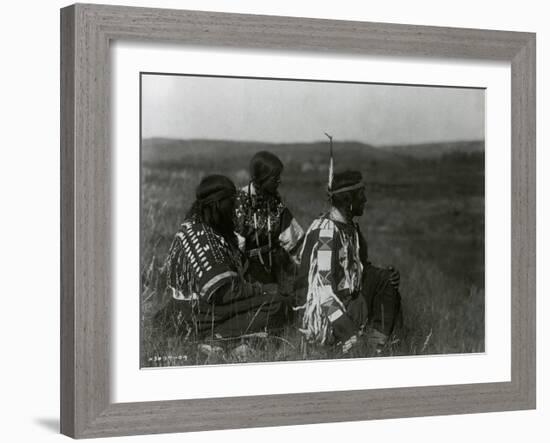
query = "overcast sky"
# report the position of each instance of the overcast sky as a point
(188, 107)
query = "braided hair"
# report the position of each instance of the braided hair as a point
(264, 165)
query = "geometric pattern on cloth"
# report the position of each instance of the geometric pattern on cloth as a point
(325, 243)
(330, 257)
(200, 261)
(325, 277)
(324, 259)
(334, 313)
(291, 236)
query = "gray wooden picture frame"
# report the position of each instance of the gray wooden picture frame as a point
(86, 33)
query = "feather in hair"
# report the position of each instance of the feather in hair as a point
(330, 165)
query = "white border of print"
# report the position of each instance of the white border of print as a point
(130, 384)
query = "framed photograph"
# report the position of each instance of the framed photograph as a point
(271, 221)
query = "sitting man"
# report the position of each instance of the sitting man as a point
(205, 273)
(345, 293)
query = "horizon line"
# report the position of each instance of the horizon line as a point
(320, 141)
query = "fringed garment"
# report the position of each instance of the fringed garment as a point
(333, 258)
(269, 235)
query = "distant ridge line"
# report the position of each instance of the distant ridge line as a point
(160, 149)
(254, 142)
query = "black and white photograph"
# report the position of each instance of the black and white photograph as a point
(275, 221)
(287, 219)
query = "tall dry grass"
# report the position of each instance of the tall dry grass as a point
(424, 216)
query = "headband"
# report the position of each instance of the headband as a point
(359, 185)
(217, 196)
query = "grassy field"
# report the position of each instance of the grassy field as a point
(424, 215)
